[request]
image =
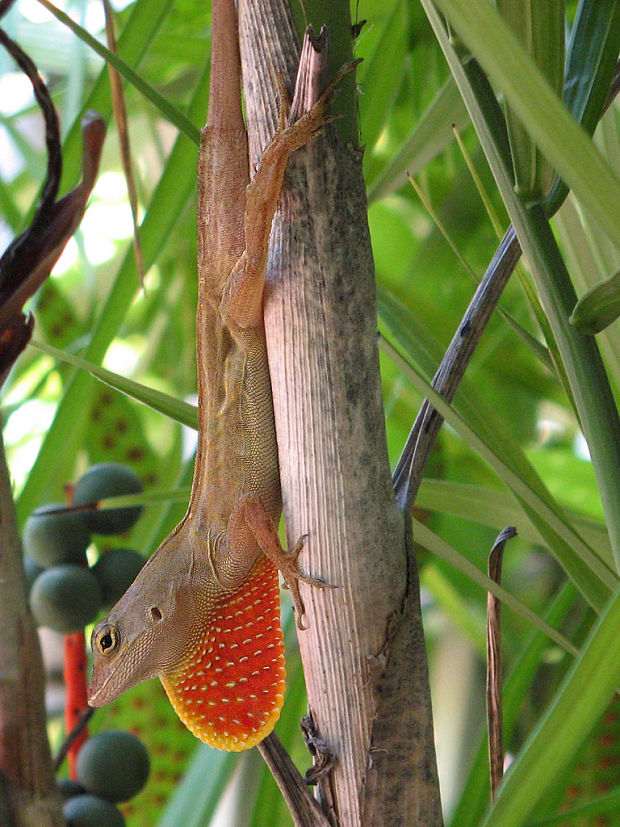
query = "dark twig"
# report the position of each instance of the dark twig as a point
(5, 6)
(54, 153)
(304, 810)
(408, 473)
(494, 663)
(75, 733)
(613, 89)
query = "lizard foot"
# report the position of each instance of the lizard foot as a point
(292, 576)
(294, 135)
(251, 511)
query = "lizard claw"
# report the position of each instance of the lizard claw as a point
(298, 547)
(344, 70)
(311, 123)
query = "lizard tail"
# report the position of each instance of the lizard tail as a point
(224, 96)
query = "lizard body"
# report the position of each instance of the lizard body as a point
(203, 614)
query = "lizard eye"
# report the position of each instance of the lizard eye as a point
(155, 614)
(107, 639)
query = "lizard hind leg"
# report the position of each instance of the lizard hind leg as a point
(229, 690)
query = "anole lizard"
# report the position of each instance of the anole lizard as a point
(203, 614)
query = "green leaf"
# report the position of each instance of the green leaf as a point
(539, 27)
(599, 307)
(517, 686)
(602, 805)
(545, 117)
(173, 408)
(498, 509)
(585, 692)
(594, 401)
(591, 576)
(490, 438)
(385, 76)
(434, 543)
(198, 795)
(170, 112)
(590, 65)
(137, 36)
(430, 136)
(174, 495)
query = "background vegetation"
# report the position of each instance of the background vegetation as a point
(58, 419)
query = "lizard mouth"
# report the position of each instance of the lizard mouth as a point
(113, 671)
(95, 687)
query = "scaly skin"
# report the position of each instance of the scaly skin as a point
(230, 688)
(203, 614)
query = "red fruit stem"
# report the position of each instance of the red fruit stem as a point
(74, 674)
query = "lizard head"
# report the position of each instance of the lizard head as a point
(150, 626)
(219, 652)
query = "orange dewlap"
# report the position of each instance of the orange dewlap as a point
(230, 689)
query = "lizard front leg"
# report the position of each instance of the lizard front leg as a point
(250, 525)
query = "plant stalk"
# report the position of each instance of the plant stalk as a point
(593, 396)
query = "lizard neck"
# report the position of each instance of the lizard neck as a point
(229, 689)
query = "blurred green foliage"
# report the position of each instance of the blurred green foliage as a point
(60, 420)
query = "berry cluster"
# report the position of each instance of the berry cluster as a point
(65, 593)
(111, 767)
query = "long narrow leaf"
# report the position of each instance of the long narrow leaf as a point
(198, 795)
(590, 63)
(482, 420)
(546, 118)
(430, 136)
(386, 75)
(581, 358)
(165, 404)
(434, 543)
(168, 111)
(591, 576)
(497, 509)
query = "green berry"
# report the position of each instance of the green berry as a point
(69, 788)
(91, 811)
(31, 569)
(114, 765)
(65, 598)
(51, 539)
(108, 479)
(115, 571)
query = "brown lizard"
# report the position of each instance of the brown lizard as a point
(204, 613)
